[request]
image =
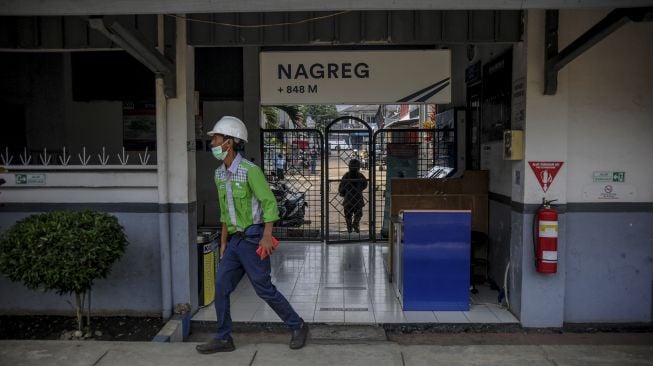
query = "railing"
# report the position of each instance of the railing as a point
(63, 158)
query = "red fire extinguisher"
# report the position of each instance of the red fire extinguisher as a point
(545, 238)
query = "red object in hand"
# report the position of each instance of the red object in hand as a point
(261, 253)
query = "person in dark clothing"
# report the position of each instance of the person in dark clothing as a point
(313, 160)
(351, 188)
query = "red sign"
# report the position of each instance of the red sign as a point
(545, 171)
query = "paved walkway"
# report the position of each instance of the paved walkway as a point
(91, 353)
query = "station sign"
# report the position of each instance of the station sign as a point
(355, 77)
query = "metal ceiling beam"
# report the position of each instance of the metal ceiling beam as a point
(555, 60)
(114, 7)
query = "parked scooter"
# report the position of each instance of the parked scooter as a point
(292, 205)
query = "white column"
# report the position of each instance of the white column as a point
(180, 146)
(542, 295)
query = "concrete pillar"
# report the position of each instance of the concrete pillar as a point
(541, 302)
(182, 205)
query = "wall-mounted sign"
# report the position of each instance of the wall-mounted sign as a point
(139, 125)
(545, 172)
(355, 77)
(609, 192)
(614, 177)
(24, 179)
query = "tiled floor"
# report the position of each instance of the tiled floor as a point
(345, 283)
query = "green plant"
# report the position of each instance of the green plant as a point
(62, 251)
(271, 114)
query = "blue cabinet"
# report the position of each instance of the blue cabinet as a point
(432, 259)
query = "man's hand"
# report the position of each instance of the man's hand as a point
(223, 247)
(266, 245)
(224, 239)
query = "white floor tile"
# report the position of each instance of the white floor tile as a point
(330, 303)
(242, 315)
(329, 316)
(303, 306)
(266, 316)
(389, 317)
(314, 276)
(359, 317)
(303, 298)
(504, 315)
(247, 306)
(248, 299)
(205, 314)
(420, 316)
(481, 317)
(450, 317)
(358, 303)
(385, 307)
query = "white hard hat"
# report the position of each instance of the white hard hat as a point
(230, 126)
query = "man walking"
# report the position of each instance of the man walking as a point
(351, 188)
(248, 211)
(313, 161)
(280, 164)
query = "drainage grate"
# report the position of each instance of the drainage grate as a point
(345, 288)
(344, 309)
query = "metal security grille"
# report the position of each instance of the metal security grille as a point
(348, 204)
(408, 153)
(293, 165)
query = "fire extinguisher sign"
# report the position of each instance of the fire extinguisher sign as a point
(545, 172)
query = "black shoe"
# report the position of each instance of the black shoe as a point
(216, 345)
(299, 336)
(357, 229)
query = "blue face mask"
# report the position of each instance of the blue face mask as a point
(218, 153)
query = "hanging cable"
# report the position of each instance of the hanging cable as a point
(258, 25)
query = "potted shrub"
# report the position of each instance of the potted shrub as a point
(63, 251)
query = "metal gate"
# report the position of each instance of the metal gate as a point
(305, 169)
(292, 161)
(408, 153)
(348, 205)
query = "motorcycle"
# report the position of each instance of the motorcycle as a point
(292, 205)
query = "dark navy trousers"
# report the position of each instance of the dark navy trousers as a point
(239, 258)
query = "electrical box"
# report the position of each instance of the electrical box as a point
(513, 145)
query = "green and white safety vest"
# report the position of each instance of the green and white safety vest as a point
(245, 196)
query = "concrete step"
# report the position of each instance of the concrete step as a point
(347, 334)
(278, 333)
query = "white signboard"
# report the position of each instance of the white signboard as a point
(31, 178)
(356, 77)
(609, 192)
(617, 177)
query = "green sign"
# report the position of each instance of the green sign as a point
(30, 178)
(611, 177)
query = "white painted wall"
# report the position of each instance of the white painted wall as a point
(545, 132)
(610, 109)
(600, 119)
(99, 184)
